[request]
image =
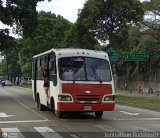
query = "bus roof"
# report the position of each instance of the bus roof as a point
(74, 52)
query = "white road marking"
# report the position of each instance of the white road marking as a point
(47, 132)
(134, 119)
(32, 110)
(4, 115)
(44, 129)
(75, 136)
(139, 119)
(10, 129)
(128, 113)
(142, 129)
(12, 133)
(23, 121)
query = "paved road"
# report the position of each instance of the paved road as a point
(20, 118)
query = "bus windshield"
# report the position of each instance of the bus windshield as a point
(84, 69)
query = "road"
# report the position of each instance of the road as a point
(19, 118)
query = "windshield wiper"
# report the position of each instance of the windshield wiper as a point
(78, 76)
(100, 80)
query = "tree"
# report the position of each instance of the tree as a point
(151, 32)
(11, 68)
(145, 39)
(109, 19)
(49, 34)
(6, 41)
(20, 14)
(79, 37)
(50, 31)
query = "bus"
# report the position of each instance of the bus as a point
(90, 89)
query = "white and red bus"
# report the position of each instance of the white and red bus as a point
(91, 89)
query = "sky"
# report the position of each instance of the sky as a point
(67, 8)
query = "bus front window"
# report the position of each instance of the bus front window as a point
(98, 70)
(84, 69)
(70, 68)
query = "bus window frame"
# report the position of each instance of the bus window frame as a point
(85, 69)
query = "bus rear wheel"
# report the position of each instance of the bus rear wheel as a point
(99, 114)
(40, 106)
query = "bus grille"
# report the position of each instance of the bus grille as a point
(88, 98)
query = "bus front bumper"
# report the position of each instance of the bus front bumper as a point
(70, 107)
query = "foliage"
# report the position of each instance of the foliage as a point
(144, 40)
(10, 64)
(49, 34)
(50, 31)
(3, 68)
(19, 14)
(100, 20)
(6, 41)
(79, 37)
(150, 40)
(108, 19)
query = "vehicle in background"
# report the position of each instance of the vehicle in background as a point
(7, 83)
(24, 80)
(1, 79)
(29, 82)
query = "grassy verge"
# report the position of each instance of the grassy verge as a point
(141, 102)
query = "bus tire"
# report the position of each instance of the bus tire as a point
(40, 106)
(58, 114)
(99, 114)
(52, 104)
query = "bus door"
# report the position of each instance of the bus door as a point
(52, 77)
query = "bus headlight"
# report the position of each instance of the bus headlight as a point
(108, 98)
(66, 98)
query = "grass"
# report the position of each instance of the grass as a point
(141, 102)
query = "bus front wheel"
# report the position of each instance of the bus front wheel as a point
(99, 114)
(40, 106)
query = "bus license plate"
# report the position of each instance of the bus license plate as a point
(87, 108)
